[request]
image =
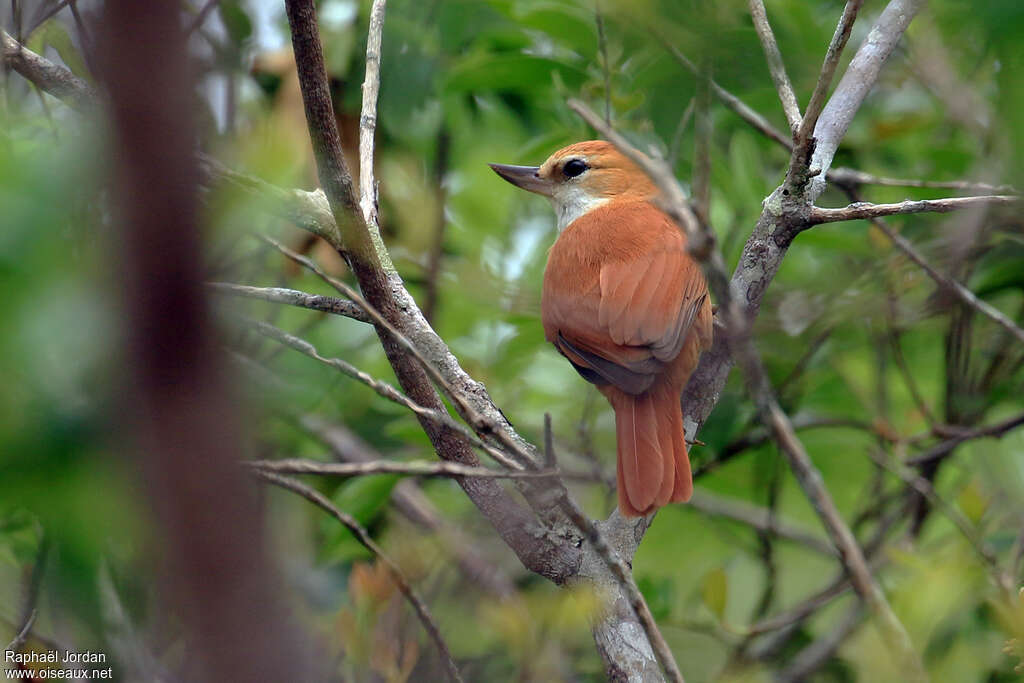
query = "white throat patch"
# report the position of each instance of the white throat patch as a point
(571, 201)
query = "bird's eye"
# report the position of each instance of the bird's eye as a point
(574, 167)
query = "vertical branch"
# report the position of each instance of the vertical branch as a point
(828, 70)
(860, 76)
(368, 115)
(775, 64)
(212, 556)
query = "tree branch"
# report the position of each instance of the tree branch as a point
(775, 65)
(291, 297)
(415, 469)
(368, 116)
(865, 210)
(861, 75)
(816, 104)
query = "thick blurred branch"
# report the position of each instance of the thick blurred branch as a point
(212, 554)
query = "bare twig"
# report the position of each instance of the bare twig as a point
(849, 176)
(861, 75)
(291, 297)
(54, 79)
(363, 536)
(812, 657)
(946, 282)
(734, 103)
(410, 501)
(381, 388)
(963, 525)
(946, 447)
(760, 519)
(465, 409)
(775, 65)
(828, 70)
(415, 469)
(865, 210)
(368, 116)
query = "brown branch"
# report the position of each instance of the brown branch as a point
(808, 660)
(866, 210)
(54, 79)
(775, 64)
(946, 447)
(415, 469)
(802, 139)
(212, 554)
(363, 536)
(291, 297)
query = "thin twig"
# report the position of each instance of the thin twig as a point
(946, 282)
(946, 447)
(926, 489)
(292, 297)
(368, 115)
(828, 70)
(866, 210)
(760, 519)
(415, 469)
(363, 536)
(465, 410)
(381, 388)
(775, 65)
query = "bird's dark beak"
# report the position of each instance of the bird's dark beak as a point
(525, 177)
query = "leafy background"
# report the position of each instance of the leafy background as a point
(466, 82)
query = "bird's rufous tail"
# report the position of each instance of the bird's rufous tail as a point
(653, 466)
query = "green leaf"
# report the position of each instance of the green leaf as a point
(715, 591)
(236, 21)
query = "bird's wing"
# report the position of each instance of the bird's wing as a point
(648, 296)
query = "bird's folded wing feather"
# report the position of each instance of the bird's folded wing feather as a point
(647, 304)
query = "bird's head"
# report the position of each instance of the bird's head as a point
(580, 178)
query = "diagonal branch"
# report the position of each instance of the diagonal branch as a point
(828, 70)
(775, 65)
(350, 523)
(291, 297)
(866, 210)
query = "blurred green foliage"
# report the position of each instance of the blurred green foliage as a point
(466, 82)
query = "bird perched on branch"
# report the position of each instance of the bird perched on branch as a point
(625, 303)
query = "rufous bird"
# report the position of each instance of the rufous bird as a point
(625, 303)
